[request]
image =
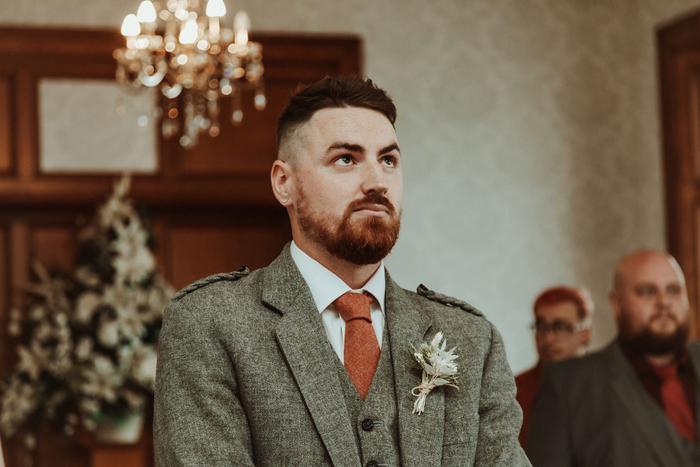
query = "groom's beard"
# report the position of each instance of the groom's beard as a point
(358, 240)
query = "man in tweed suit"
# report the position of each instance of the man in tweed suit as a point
(262, 368)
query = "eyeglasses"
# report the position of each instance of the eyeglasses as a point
(559, 328)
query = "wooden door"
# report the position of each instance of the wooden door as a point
(679, 62)
(211, 208)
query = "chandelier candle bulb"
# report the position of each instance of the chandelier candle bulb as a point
(182, 14)
(216, 8)
(188, 35)
(146, 12)
(131, 26)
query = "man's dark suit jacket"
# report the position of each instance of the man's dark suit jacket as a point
(594, 412)
(246, 376)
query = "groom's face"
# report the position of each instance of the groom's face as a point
(349, 184)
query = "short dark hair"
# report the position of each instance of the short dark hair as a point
(330, 92)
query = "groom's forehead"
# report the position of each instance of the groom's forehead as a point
(351, 128)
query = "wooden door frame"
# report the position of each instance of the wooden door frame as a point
(678, 46)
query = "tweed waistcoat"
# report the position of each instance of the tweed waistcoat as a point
(374, 420)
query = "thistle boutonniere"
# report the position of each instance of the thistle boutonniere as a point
(439, 369)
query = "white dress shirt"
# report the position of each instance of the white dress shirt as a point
(326, 287)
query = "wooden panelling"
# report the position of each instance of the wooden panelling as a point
(694, 115)
(248, 149)
(87, 191)
(54, 247)
(160, 230)
(19, 261)
(6, 130)
(27, 131)
(57, 450)
(198, 252)
(4, 297)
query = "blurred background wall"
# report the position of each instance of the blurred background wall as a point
(530, 133)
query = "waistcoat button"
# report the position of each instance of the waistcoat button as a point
(367, 425)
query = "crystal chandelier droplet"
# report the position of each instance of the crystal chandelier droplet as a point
(184, 49)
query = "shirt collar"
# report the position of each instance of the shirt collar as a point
(326, 287)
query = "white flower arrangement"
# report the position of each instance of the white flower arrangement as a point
(88, 340)
(439, 369)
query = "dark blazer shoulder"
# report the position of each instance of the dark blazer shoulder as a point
(581, 367)
(583, 380)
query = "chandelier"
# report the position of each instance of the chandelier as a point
(194, 60)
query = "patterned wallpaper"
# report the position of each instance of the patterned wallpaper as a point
(530, 133)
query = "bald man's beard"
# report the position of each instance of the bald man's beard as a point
(648, 342)
(361, 241)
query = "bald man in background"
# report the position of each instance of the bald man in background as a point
(635, 402)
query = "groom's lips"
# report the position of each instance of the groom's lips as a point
(373, 210)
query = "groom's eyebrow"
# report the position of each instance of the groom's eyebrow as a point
(347, 146)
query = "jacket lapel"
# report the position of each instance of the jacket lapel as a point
(302, 339)
(421, 436)
(641, 409)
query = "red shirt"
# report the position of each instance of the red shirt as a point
(528, 384)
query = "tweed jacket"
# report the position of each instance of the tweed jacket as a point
(246, 376)
(594, 411)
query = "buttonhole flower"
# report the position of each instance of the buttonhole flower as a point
(439, 369)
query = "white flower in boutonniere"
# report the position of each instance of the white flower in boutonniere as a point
(439, 369)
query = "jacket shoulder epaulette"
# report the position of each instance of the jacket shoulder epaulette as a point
(225, 276)
(423, 291)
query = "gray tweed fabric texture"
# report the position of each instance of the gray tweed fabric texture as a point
(246, 376)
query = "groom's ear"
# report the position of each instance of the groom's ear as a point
(281, 177)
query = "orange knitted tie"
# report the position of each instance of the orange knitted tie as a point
(361, 345)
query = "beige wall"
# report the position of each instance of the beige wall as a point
(529, 130)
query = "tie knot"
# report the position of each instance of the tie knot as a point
(353, 305)
(667, 373)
